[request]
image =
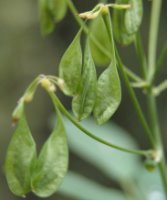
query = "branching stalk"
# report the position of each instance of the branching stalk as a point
(88, 133)
(152, 107)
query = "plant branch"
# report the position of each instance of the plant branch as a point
(160, 88)
(152, 107)
(79, 126)
(162, 57)
(153, 33)
(135, 102)
(141, 54)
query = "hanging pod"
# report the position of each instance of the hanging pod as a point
(126, 22)
(83, 102)
(133, 16)
(20, 157)
(46, 20)
(70, 66)
(52, 163)
(108, 94)
(99, 32)
(51, 12)
(25, 172)
(120, 33)
(58, 8)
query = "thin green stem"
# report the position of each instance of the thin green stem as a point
(163, 172)
(162, 57)
(135, 102)
(153, 33)
(86, 29)
(88, 133)
(152, 107)
(153, 118)
(132, 75)
(160, 88)
(73, 10)
(141, 55)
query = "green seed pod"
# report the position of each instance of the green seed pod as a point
(52, 163)
(21, 155)
(133, 16)
(70, 66)
(119, 30)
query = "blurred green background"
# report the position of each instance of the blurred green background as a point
(24, 54)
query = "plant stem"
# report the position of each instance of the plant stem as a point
(160, 88)
(153, 33)
(57, 103)
(162, 57)
(152, 108)
(157, 134)
(141, 55)
(162, 168)
(135, 102)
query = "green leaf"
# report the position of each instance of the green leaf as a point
(119, 30)
(58, 8)
(70, 66)
(133, 16)
(108, 94)
(99, 31)
(51, 12)
(84, 101)
(20, 157)
(46, 19)
(51, 166)
(82, 188)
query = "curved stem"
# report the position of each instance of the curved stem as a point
(79, 126)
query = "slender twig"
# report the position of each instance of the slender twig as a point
(141, 55)
(153, 33)
(162, 57)
(160, 88)
(135, 102)
(152, 107)
(88, 133)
